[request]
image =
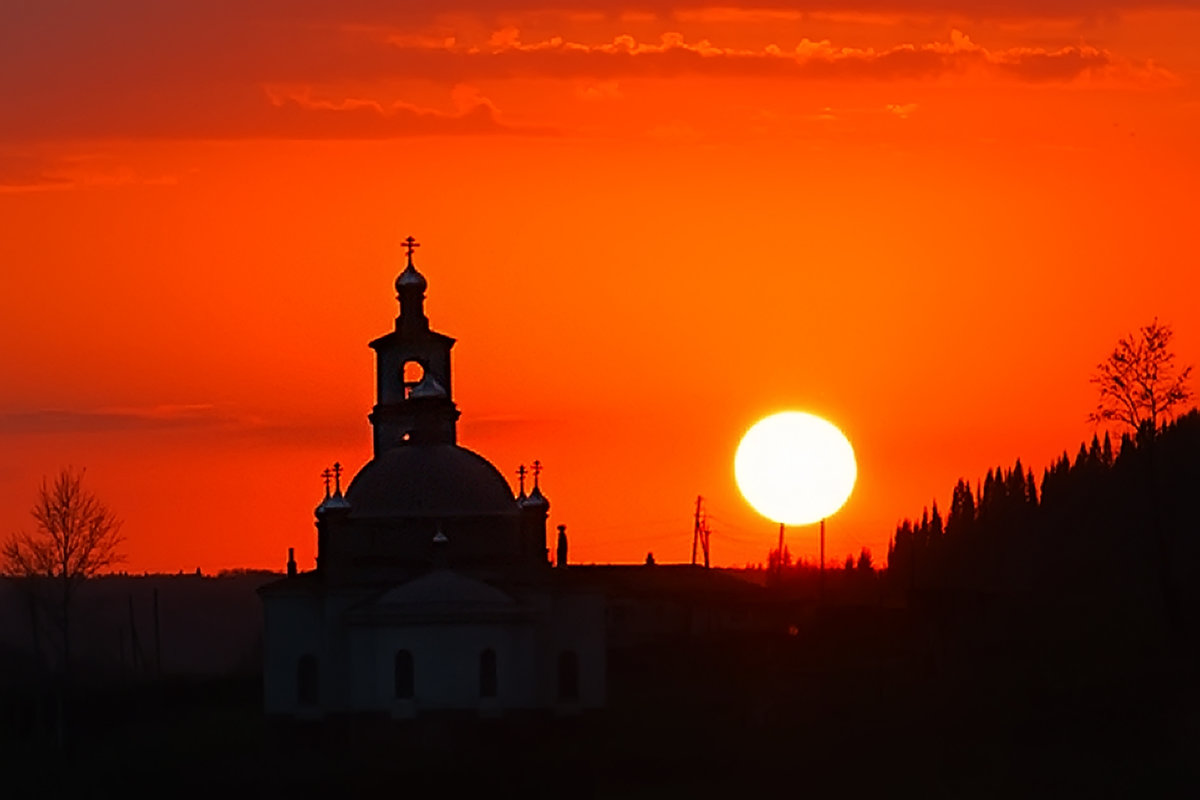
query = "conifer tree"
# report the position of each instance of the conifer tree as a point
(935, 523)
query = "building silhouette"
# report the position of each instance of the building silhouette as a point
(433, 588)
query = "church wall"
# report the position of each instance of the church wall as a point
(575, 622)
(340, 668)
(365, 551)
(292, 628)
(446, 659)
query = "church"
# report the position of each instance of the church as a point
(433, 589)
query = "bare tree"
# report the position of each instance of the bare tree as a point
(1139, 385)
(75, 538)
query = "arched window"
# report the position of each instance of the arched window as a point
(568, 675)
(404, 675)
(411, 374)
(307, 683)
(487, 673)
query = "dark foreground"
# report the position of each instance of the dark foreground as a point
(841, 709)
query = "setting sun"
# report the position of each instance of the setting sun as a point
(795, 468)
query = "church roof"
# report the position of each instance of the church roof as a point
(444, 588)
(439, 596)
(429, 480)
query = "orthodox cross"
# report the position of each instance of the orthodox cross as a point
(328, 476)
(537, 470)
(337, 477)
(521, 472)
(410, 244)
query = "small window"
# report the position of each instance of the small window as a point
(307, 680)
(568, 675)
(487, 673)
(404, 675)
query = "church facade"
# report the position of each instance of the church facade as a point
(433, 588)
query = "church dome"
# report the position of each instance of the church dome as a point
(420, 480)
(411, 279)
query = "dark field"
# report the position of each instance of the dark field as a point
(861, 705)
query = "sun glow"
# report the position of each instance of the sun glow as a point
(795, 468)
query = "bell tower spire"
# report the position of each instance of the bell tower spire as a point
(414, 403)
(410, 291)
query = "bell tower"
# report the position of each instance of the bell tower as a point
(413, 401)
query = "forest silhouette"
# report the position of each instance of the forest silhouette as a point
(1100, 557)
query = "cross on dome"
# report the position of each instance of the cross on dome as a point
(521, 473)
(337, 477)
(328, 476)
(410, 244)
(537, 470)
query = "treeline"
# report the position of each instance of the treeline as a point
(1110, 536)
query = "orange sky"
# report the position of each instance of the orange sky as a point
(647, 223)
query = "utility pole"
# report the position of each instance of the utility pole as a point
(779, 554)
(700, 532)
(821, 586)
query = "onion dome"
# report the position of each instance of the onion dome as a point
(536, 499)
(411, 280)
(334, 502)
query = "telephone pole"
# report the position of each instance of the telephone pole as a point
(700, 532)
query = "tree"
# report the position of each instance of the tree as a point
(1138, 382)
(864, 560)
(75, 537)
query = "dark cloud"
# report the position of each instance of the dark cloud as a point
(189, 420)
(246, 113)
(218, 69)
(21, 172)
(202, 15)
(107, 421)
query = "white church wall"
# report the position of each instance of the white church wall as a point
(576, 624)
(446, 667)
(340, 675)
(292, 628)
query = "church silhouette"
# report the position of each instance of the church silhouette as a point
(434, 589)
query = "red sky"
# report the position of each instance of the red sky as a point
(648, 224)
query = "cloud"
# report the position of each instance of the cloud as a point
(36, 171)
(300, 115)
(214, 14)
(30, 173)
(144, 69)
(114, 419)
(506, 56)
(193, 420)
(259, 112)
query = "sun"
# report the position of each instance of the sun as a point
(795, 468)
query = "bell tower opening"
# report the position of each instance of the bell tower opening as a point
(411, 374)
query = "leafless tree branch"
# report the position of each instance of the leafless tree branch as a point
(75, 537)
(1138, 383)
